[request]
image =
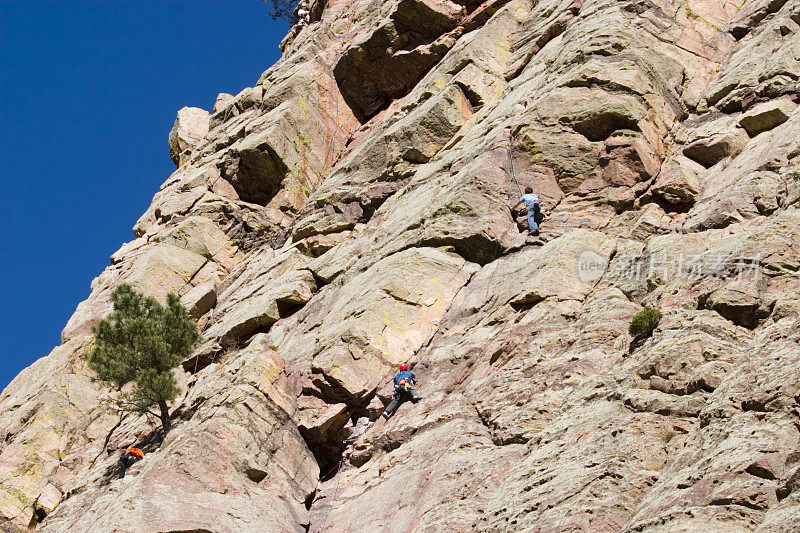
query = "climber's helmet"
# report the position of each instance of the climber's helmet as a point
(402, 366)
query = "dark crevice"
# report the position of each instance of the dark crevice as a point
(199, 362)
(524, 305)
(475, 248)
(309, 501)
(327, 442)
(320, 281)
(497, 354)
(701, 385)
(759, 471)
(474, 99)
(39, 514)
(256, 174)
(755, 405)
(739, 502)
(599, 127)
(26, 417)
(744, 315)
(394, 57)
(669, 207)
(792, 484)
(191, 279)
(328, 454)
(230, 344)
(637, 342)
(256, 475)
(287, 308)
(471, 5)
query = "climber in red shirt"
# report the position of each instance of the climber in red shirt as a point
(131, 456)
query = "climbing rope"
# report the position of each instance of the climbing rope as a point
(335, 491)
(511, 160)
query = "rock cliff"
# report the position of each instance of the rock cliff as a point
(353, 210)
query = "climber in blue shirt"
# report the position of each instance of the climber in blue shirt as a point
(403, 390)
(534, 210)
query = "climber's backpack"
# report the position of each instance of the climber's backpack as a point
(538, 216)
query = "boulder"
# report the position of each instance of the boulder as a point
(710, 150)
(199, 300)
(627, 160)
(653, 220)
(191, 125)
(739, 305)
(222, 100)
(679, 181)
(767, 115)
(49, 499)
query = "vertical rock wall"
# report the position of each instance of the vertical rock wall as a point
(353, 210)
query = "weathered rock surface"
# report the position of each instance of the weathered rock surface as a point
(353, 210)
(191, 125)
(767, 115)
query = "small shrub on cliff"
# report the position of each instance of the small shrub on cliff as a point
(141, 342)
(644, 322)
(281, 9)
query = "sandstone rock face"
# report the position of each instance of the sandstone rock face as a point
(191, 125)
(767, 115)
(354, 210)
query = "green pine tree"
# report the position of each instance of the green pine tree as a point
(142, 342)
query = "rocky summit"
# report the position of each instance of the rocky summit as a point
(355, 209)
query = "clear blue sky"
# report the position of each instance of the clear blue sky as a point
(88, 94)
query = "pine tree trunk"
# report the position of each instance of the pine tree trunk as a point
(165, 421)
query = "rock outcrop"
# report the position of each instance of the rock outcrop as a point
(353, 210)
